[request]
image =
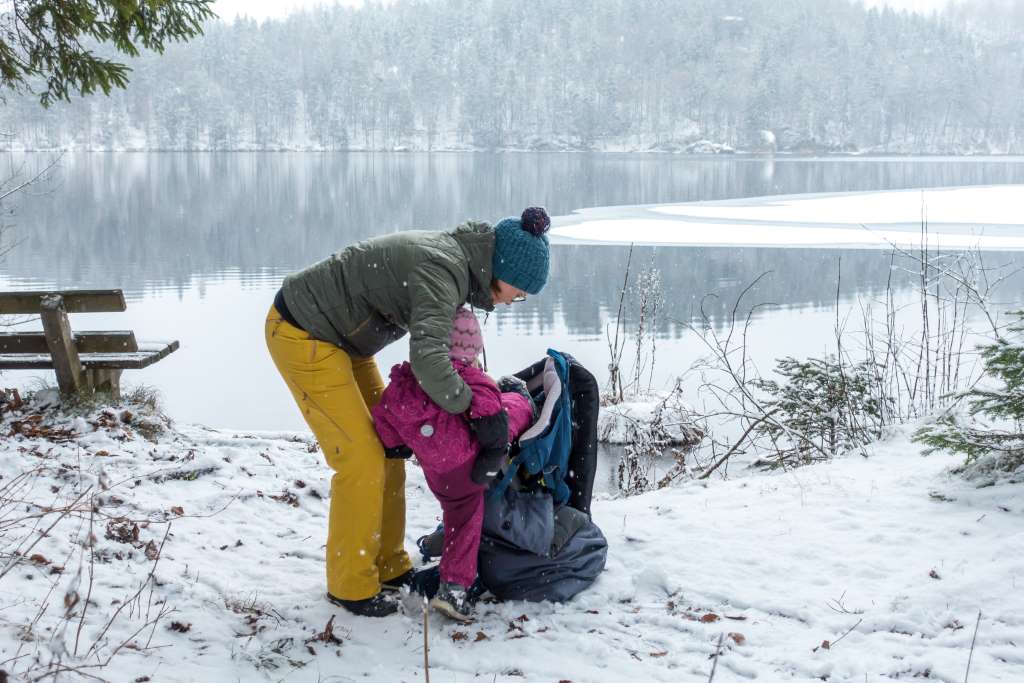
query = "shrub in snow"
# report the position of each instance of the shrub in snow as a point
(648, 297)
(661, 418)
(822, 408)
(650, 427)
(46, 398)
(990, 434)
(46, 414)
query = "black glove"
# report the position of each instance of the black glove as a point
(491, 431)
(487, 465)
(399, 452)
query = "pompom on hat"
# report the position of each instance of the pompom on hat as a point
(521, 250)
(467, 341)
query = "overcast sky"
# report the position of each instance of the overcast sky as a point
(262, 9)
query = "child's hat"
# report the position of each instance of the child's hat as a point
(467, 341)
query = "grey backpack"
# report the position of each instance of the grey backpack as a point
(532, 550)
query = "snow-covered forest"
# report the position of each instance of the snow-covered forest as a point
(799, 76)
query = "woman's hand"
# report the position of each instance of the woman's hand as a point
(491, 431)
(399, 452)
(488, 465)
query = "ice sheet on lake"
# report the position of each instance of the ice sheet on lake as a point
(986, 217)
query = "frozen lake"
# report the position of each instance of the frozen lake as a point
(200, 242)
(988, 218)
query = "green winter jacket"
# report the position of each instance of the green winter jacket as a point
(370, 294)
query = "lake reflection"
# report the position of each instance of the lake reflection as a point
(200, 242)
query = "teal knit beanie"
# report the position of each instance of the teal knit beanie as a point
(521, 250)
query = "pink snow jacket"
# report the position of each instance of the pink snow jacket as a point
(440, 440)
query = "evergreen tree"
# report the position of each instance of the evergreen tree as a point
(821, 409)
(45, 39)
(994, 424)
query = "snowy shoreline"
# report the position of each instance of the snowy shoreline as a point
(890, 550)
(702, 152)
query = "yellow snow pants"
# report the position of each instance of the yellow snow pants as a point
(335, 391)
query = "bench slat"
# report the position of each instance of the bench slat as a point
(147, 354)
(75, 301)
(85, 342)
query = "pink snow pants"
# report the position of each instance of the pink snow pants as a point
(462, 503)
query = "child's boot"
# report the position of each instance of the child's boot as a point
(453, 601)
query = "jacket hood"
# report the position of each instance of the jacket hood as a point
(476, 239)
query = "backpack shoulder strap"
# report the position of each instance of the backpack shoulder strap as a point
(544, 447)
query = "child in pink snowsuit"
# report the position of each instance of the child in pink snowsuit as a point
(446, 448)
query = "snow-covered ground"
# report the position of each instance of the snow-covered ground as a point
(889, 559)
(986, 217)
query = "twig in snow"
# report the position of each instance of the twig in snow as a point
(156, 561)
(90, 543)
(838, 606)
(26, 553)
(615, 349)
(718, 652)
(426, 642)
(848, 632)
(971, 655)
(739, 442)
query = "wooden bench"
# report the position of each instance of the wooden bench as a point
(87, 361)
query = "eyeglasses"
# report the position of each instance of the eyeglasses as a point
(519, 298)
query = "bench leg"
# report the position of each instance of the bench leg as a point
(107, 380)
(61, 344)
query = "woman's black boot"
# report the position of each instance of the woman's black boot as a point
(380, 605)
